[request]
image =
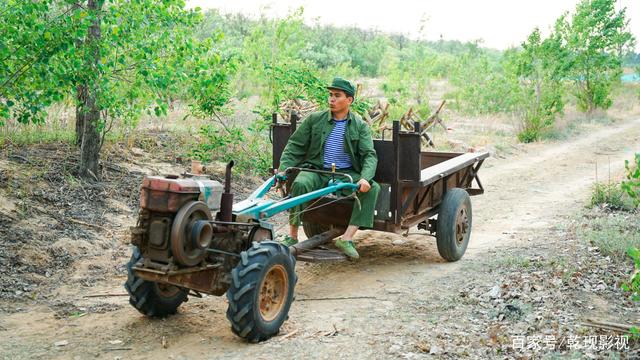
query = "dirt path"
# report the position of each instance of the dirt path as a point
(390, 289)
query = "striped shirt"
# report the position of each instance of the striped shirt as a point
(334, 147)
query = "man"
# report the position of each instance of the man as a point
(335, 136)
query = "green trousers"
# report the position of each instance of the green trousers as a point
(361, 216)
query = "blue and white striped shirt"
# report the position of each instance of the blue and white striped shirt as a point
(334, 147)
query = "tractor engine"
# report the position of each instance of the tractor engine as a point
(168, 230)
(182, 228)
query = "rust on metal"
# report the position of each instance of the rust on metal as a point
(201, 279)
(315, 241)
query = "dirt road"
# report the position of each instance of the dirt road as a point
(399, 301)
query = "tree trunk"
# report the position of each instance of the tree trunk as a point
(89, 111)
(80, 97)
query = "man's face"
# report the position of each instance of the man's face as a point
(338, 100)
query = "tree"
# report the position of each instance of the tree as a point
(482, 83)
(115, 58)
(539, 68)
(596, 39)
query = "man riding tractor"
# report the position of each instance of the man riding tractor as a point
(337, 140)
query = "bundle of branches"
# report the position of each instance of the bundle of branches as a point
(408, 120)
(298, 106)
(377, 115)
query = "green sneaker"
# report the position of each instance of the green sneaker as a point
(347, 248)
(288, 241)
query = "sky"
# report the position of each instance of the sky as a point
(499, 23)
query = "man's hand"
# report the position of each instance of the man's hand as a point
(364, 186)
(281, 176)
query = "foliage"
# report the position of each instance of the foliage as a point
(632, 185)
(32, 72)
(596, 39)
(247, 147)
(540, 67)
(109, 57)
(407, 75)
(482, 83)
(633, 285)
(608, 195)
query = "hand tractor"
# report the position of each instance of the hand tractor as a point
(191, 239)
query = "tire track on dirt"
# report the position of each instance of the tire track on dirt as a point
(532, 191)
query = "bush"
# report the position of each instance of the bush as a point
(632, 185)
(634, 283)
(247, 147)
(610, 196)
(528, 135)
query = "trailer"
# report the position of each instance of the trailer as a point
(427, 189)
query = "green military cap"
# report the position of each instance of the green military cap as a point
(344, 85)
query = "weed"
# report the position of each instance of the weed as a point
(611, 196)
(613, 234)
(632, 185)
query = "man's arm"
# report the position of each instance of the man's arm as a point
(367, 153)
(297, 146)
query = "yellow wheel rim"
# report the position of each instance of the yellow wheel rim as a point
(273, 292)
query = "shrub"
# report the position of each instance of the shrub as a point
(632, 185)
(608, 195)
(247, 147)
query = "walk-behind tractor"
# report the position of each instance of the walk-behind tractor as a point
(191, 239)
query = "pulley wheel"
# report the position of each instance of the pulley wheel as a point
(184, 250)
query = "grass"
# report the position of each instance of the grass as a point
(612, 232)
(611, 196)
(37, 135)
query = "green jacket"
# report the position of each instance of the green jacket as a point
(306, 146)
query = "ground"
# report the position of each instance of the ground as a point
(526, 288)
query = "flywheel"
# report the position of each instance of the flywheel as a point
(187, 248)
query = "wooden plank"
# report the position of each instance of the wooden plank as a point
(450, 166)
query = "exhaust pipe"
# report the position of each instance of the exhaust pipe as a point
(226, 204)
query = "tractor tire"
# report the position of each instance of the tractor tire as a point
(313, 229)
(454, 224)
(151, 298)
(261, 291)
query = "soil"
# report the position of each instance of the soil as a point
(525, 277)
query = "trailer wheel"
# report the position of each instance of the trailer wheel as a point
(313, 229)
(151, 298)
(454, 224)
(261, 291)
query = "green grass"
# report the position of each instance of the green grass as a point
(611, 196)
(31, 136)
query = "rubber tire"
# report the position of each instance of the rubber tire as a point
(446, 224)
(313, 229)
(146, 297)
(243, 311)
